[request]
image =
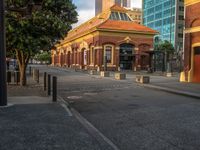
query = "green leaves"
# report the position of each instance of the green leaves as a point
(41, 29)
(165, 46)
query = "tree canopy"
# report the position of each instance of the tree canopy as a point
(43, 56)
(165, 46)
(31, 28)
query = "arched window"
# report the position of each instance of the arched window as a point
(108, 53)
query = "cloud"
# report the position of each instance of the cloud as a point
(136, 3)
(86, 9)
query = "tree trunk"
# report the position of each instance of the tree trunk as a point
(22, 69)
(22, 59)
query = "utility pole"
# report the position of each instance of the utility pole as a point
(3, 86)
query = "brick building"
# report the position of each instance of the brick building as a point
(112, 33)
(192, 42)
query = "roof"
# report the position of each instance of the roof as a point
(102, 22)
(128, 26)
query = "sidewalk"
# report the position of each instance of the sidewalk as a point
(170, 84)
(33, 122)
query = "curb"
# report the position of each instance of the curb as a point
(93, 131)
(173, 91)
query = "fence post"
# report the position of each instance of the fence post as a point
(54, 95)
(49, 85)
(45, 81)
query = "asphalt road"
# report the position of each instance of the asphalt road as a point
(132, 117)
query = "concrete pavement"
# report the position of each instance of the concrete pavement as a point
(131, 116)
(35, 123)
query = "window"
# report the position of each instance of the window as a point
(119, 16)
(108, 53)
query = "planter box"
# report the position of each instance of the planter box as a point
(105, 74)
(93, 72)
(143, 79)
(120, 76)
(169, 74)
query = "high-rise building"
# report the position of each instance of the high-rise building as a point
(101, 5)
(167, 17)
(135, 14)
(98, 6)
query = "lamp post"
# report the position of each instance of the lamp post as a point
(26, 11)
(3, 86)
(169, 67)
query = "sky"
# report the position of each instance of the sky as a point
(86, 9)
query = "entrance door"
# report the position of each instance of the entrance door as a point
(196, 77)
(126, 56)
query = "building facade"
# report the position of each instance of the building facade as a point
(136, 15)
(113, 34)
(167, 17)
(102, 5)
(192, 42)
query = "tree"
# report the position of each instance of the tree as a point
(165, 46)
(168, 49)
(43, 56)
(37, 28)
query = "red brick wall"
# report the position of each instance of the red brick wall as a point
(192, 20)
(76, 57)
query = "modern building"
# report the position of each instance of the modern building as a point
(102, 5)
(127, 45)
(135, 14)
(167, 17)
(192, 42)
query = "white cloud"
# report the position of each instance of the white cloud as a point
(136, 3)
(84, 15)
(87, 10)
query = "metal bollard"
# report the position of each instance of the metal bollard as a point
(9, 77)
(16, 77)
(36, 75)
(30, 70)
(45, 81)
(49, 85)
(54, 95)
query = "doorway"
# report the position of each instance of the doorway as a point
(126, 56)
(196, 75)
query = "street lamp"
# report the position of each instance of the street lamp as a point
(3, 86)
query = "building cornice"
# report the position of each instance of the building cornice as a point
(191, 2)
(192, 30)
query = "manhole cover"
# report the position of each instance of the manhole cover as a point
(74, 97)
(90, 94)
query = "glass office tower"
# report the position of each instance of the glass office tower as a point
(167, 17)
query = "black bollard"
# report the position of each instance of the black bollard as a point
(37, 76)
(45, 81)
(49, 85)
(9, 77)
(54, 95)
(16, 77)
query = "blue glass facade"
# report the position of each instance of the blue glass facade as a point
(165, 17)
